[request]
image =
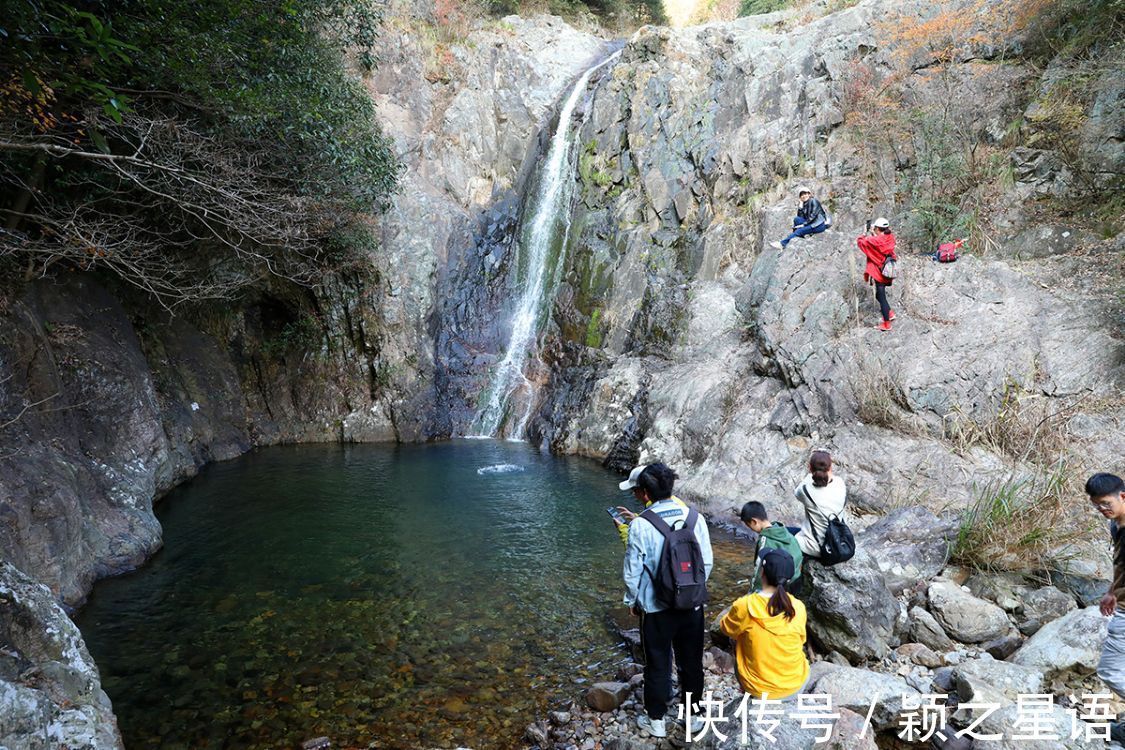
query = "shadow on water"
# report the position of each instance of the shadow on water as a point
(386, 594)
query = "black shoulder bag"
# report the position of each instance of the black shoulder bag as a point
(838, 544)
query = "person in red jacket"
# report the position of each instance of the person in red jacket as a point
(878, 247)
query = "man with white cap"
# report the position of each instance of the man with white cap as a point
(666, 627)
(638, 494)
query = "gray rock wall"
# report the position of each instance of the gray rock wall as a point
(741, 358)
(107, 403)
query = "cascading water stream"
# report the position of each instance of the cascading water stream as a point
(546, 230)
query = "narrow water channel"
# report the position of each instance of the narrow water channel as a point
(407, 596)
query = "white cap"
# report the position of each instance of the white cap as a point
(882, 223)
(803, 189)
(634, 475)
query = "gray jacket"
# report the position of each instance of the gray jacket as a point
(642, 552)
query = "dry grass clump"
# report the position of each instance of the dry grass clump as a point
(1021, 524)
(1025, 427)
(881, 401)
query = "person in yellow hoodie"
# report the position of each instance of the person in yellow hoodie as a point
(768, 628)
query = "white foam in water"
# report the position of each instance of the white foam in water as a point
(499, 469)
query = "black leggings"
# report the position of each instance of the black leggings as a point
(881, 295)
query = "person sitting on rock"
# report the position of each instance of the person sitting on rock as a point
(633, 483)
(878, 247)
(768, 629)
(770, 536)
(811, 219)
(823, 496)
(1107, 494)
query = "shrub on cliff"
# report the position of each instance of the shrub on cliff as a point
(190, 148)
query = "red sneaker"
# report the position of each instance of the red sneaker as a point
(884, 325)
(892, 315)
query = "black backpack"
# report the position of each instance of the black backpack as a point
(680, 581)
(838, 544)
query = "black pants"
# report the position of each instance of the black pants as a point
(662, 633)
(881, 295)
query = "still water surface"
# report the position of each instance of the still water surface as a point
(398, 596)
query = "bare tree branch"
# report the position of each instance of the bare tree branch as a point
(172, 211)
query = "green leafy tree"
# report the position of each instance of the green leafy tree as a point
(191, 148)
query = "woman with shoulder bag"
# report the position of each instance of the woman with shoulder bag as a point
(823, 497)
(879, 248)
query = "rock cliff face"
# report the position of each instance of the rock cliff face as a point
(109, 404)
(679, 334)
(470, 139)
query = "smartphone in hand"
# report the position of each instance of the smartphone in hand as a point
(615, 514)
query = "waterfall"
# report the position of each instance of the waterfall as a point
(539, 255)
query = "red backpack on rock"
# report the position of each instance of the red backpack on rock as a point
(947, 252)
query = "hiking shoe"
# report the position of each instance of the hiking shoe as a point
(892, 317)
(777, 246)
(1117, 732)
(654, 727)
(884, 325)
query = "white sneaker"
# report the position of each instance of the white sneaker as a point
(776, 246)
(655, 727)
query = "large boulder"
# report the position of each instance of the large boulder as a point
(1007, 679)
(1043, 606)
(1007, 590)
(928, 631)
(856, 689)
(965, 617)
(850, 608)
(50, 690)
(1069, 645)
(909, 545)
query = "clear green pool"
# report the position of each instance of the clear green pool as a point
(394, 595)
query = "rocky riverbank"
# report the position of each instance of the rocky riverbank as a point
(980, 647)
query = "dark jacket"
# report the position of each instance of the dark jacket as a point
(812, 213)
(1117, 586)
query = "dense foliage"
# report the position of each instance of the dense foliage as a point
(622, 15)
(756, 7)
(190, 147)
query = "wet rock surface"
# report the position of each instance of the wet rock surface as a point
(50, 691)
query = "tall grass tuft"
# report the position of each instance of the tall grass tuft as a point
(1025, 426)
(1020, 525)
